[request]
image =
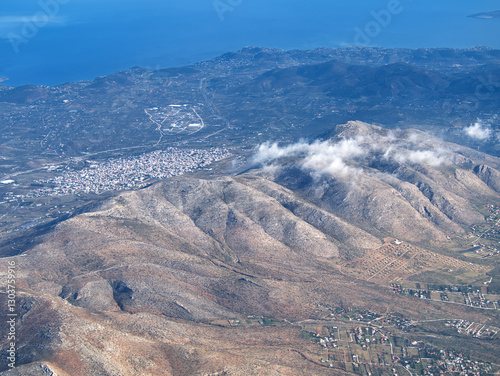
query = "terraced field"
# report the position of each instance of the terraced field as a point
(396, 261)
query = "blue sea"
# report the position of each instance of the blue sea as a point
(55, 41)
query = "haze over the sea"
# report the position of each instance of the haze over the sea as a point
(55, 41)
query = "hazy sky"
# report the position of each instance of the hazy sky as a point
(53, 41)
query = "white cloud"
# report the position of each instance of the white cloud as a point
(267, 151)
(429, 157)
(478, 131)
(349, 156)
(271, 169)
(322, 157)
(332, 158)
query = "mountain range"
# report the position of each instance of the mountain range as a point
(146, 283)
(253, 93)
(349, 227)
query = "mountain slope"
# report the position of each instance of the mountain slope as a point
(400, 183)
(150, 283)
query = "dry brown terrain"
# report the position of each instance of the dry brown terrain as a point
(149, 283)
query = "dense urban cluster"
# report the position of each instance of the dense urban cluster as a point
(123, 173)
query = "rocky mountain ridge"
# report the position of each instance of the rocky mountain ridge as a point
(139, 285)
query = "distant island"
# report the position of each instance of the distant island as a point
(493, 14)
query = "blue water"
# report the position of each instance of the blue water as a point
(87, 38)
